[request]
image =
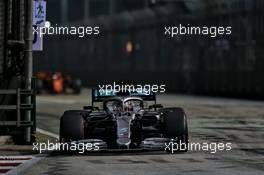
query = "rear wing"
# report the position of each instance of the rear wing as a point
(101, 95)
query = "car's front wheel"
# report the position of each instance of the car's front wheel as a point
(175, 127)
(71, 126)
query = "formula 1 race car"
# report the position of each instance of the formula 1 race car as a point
(125, 121)
(57, 83)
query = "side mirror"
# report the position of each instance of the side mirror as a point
(155, 106)
(90, 108)
(87, 108)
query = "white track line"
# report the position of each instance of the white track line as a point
(7, 167)
(13, 161)
(42, 131)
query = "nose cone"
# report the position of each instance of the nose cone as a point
(123, 130)
(123, 141)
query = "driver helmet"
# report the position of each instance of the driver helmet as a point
(128, 106)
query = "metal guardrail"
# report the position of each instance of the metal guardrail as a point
(19, 107)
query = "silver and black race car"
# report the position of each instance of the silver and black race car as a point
(124, 121)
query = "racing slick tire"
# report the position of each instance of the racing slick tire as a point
(71, 126)
(175, 126)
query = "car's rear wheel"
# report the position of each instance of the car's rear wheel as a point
(72, 126)
(175, 127)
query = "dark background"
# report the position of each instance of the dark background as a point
(222, 66)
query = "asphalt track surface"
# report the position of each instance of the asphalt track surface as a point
(211, 120)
